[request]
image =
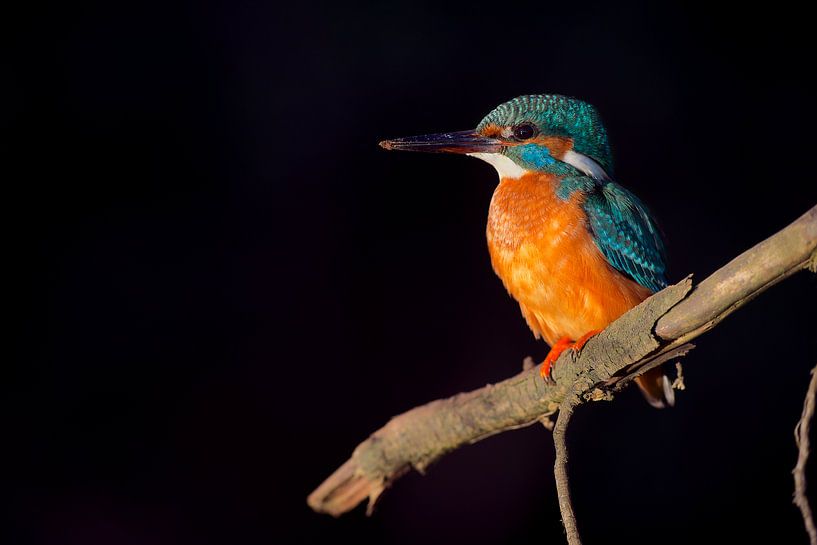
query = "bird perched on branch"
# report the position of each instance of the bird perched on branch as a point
(572, 246)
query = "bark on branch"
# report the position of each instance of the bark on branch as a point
(801, 438)
(657, 330)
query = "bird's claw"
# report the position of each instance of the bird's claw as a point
(553, 355)
(546, 376)
(544, 369)
(556, 350)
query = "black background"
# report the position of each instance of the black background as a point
(224, 285)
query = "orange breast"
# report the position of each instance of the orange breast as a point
(543, 252)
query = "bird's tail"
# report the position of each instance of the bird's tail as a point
(656, 388)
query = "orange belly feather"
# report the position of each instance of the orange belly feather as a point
(542, 250)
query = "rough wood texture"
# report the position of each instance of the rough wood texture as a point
(560, 468)
(653, 332)
(801, 438)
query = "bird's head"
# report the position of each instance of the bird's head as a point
(539, 133)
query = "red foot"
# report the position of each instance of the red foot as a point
(561, 345)
(555, 351)
(578, 345)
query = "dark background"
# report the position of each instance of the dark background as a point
(220, 284)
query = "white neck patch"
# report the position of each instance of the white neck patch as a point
(503, 164)
(585, 164)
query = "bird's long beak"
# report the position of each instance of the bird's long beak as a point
(449, 142)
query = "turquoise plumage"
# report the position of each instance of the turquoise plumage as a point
(622, 228)
(626, 234)
(573, 247)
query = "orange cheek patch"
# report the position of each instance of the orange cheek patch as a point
(492, 131)
(558, 145)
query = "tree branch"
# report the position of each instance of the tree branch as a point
(658, 329)
(801, 433)
(560, 467)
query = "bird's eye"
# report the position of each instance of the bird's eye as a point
(524, 131)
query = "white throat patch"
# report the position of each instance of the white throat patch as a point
(503, 164)
(585, 164)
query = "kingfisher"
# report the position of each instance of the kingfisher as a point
(574, 248)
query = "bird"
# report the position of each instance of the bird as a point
(571, 245)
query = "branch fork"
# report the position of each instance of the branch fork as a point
(656, 331)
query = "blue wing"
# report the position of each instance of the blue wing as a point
(626, 234)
